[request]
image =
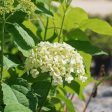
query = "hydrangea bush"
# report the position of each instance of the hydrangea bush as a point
(45, 54)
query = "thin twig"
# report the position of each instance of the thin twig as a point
(46, 28)
(94, 89)
(59, 36)
(63, 18)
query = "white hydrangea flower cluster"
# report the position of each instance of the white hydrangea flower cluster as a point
(8, 6)
(59, 59)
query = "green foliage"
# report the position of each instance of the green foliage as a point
(22, 39)
(16, 108)
(22, 33)
(8, 63)
(43, 1)
(19, 93)
(74, 17)
(98, 26)
(76, 34)
(68, 103)
(42, 9)
(85, 46)
(41, 87)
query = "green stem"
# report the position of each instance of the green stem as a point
(61, 29)
(59, 36)
(46, 28)
(40, 108)
(9, 16)
(2, 45)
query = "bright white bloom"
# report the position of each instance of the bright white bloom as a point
(83, 78)
(59, 59)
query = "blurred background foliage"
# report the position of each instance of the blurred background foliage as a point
(101, 41)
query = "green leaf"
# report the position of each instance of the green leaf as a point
(68, 102)
(25, 36)
(22, 39)
(8, 95)
(18, 92)
(76, 34)
(17, 17)
(74, 17)
(32, 27)
(87, 62)
(84, 46)
(44, 1)
(16, 107)
(41, 88)
(97, 25)
(75, 86)
(8, 63)
(42, 9)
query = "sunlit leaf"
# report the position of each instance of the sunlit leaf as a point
(97, 25)
(20, 94)
(8, 63)
(68, 102)
(25, 36)
(42, 9)
(84, 46)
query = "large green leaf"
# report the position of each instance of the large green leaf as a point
(76, 34)
(17, 17)
(74, 17)
(67, 101)
(87, 58)
(25, 36)
(18, 92)
(8, 63)
(41, 88)
(8, 95)
(84, 46)
(97, 25)
(74, 86)
(32, 27)
(16, 107)
(22, 39)
(42, 9)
